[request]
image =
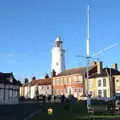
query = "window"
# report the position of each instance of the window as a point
(69, 80)
(104, 82)
(90, 83)
(11, 94)
(80, 80)
(61, 55)
(77, 90)
(74, 90)
(105, 93)
(117, 80)
(75, 77)
(81, 90)
(16, 93)
(62, 81)
(57, 64)
(57, 81)
(99, 83)
(100, 93)
(65, 80)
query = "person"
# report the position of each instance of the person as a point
(62, 98)
(44, 98)
(49, 98)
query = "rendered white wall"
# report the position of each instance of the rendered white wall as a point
(45, 89)
(33, 94)
(58, 59)
(9, 94)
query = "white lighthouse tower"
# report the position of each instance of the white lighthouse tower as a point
(58, 60)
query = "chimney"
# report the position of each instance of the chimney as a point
(93, 63)
(99, 67)
(115, 66)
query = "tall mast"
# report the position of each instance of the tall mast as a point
(88, 57)
(88, 33)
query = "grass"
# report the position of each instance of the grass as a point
(61, 112)
(103, 117)
(19, 111)
(70, 112)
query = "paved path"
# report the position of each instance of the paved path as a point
(29, 117)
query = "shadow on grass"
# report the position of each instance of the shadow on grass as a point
(61, 111)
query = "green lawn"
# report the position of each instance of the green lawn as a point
(70, 112)
(98, 117)
(61, 111)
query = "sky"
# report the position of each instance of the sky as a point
(28, 29)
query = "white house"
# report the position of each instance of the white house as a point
(39, 87)
(9, 89)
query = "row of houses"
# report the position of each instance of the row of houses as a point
(103, 83)
(36, 87)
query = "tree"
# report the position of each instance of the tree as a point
(19, 83)
(33, 78)
(53, 73)
(26, 80)
(37, 93)
(46, 76)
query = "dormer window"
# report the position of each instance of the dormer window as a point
(117, 80)
(10, 79)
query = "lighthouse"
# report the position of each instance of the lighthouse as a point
(58, 59)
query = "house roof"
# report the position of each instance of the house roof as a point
(72, 71)
(80, 70)
(46, 81)
(106, 72)
(6, 77)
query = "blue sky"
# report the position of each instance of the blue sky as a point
(28, 29)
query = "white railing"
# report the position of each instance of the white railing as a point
(103, 98)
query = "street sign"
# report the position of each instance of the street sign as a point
(50, 111)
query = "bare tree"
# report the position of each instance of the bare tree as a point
(37, 93)
(46, 76)
(53, 73)
(26, 80)
(33, 78)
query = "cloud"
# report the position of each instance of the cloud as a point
(12, 54)
(8, 54)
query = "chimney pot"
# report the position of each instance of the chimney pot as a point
(99, 67)
(115, 66)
